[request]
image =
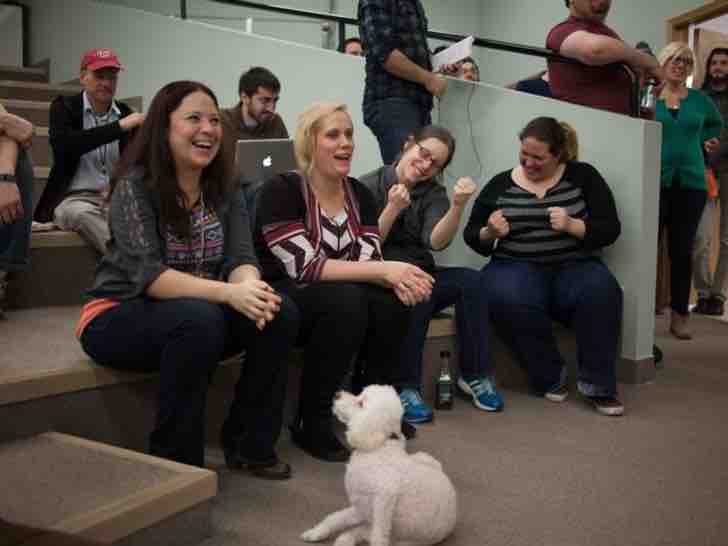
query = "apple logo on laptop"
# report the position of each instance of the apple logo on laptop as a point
(268, 161)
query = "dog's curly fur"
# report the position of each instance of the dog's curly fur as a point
(394, 496)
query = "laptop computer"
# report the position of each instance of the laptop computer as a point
(259, 160)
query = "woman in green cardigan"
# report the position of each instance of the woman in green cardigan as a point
(690, 125)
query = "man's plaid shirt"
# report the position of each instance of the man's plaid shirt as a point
(385, 25)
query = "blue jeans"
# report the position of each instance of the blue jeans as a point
(392, 121)
(464, 289)
(15, 238)
(185, 339)
(525, 297)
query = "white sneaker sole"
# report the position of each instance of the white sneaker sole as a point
(465, 389)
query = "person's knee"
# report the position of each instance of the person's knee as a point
(202, 321)
(287, 320)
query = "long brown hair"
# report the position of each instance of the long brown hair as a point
(149, 150)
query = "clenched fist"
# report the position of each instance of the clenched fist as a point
(559, 218)
(463, 190)
(498, 226)
(398, 197)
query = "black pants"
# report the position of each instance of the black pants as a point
(185, 339)
(680, 212)
(338, 321)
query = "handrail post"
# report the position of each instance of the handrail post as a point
(342, 35)
(183, 9)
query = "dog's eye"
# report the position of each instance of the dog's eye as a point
(360, 402)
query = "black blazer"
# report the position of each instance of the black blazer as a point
(69, 141)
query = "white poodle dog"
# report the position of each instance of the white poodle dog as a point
(394, 496)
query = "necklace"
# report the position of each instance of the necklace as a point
(199, 260)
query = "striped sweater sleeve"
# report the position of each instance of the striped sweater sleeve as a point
(282, 217)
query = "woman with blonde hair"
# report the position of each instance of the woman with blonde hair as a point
(318, 242)
(691, 125)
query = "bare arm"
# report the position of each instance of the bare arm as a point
(446, 228)
(596, 50)
(399, 65)
(16, 128)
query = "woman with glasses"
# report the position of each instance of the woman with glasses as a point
(543, 224)
(415, 218)
(691, 125)
(318, 242)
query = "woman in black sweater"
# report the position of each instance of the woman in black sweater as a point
(543, 222)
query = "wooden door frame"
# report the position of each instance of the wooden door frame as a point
(678, 26)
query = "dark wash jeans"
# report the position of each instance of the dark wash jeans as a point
(340, 320)
(680, 212)
(15, 238)
(464, 288)
(392, 121)
(525, 297)
(185, 339)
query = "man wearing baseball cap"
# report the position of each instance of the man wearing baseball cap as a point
(88, 132)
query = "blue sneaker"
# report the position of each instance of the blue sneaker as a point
(415, 409)
(483, 393)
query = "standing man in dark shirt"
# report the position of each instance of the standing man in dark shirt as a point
(584, 37)
(400, 83)
(254, 116)
(712, 288)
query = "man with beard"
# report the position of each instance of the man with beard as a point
(254, 117)
(712, 288)
(597, 82)
(87, 133)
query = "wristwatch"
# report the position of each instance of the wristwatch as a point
(7, 178)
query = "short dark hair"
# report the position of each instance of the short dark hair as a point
(352, 40)
(549, 131)
(150, 153)
(256, 77)
(439, 133)
(567, 3)
(708, 81)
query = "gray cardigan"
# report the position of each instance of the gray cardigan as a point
(136, 252)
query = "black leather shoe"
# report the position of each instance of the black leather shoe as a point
(323, 444)
(409, 431)
(268, 469)
(271, 469)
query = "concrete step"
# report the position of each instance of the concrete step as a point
(20, 73)
(62, 270)
(32, 91)
(104, 493)
(41, 148)
(35, 112)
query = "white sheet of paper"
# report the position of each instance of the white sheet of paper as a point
(453, 54)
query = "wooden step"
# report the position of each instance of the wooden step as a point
(32, 91)
(41, 148)
(103, 493)
(24, 74)
(35, 112)
(62, 271)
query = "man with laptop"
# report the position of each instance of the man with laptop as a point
(256, 134)
(254, 117)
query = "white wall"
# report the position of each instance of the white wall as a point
(11, 36)
(157, 49)
(528, 22)
(626, 152)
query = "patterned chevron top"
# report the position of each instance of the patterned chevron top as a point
(294, 237)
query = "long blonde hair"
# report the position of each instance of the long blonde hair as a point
(309, 124)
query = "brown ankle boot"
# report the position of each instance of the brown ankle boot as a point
(679, 325)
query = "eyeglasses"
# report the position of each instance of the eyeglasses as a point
(426, 155)
(685, 61)
(267, 101)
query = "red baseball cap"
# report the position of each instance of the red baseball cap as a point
(96, 59)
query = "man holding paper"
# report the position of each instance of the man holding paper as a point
(400, 82)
